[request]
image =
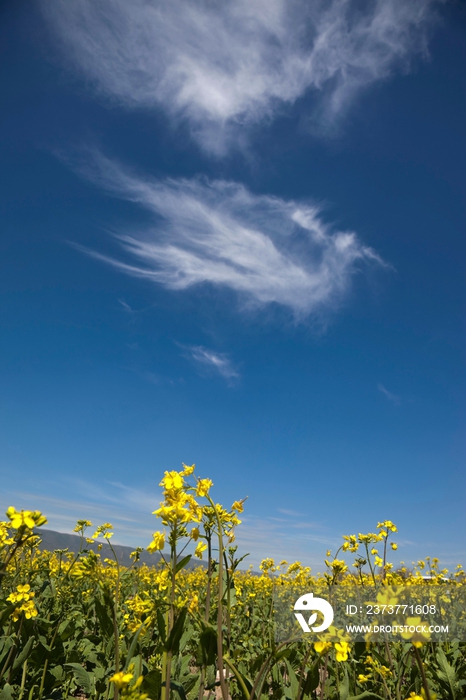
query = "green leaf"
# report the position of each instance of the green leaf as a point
(448, 672)
(5, 614)
(161, 626)
(6, 693)
(66, 630)
(105, 621)
(312, 679)
(207, 649)
(152, 684)
(173, 641)
(344, 687)
(58, 673)
(98, 672)
(181, 564)
(244, 683)
(185, 637)
(43, 641)
(366, 695)
(294, 685)
(179, 689)
(21, 658)
(81, 677)
(132, 647)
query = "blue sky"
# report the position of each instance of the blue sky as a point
(234, 235)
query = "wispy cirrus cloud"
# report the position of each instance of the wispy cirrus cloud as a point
(213, 362)
(225, 65)
(265, 249)
(388, 394)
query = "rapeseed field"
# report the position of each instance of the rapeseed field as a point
(76, 626)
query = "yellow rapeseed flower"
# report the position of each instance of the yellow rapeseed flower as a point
(338, 566)
(25, 518)
(193, 603)
(121, 679)
(104, 531)
(201, 547)
(172, 481)
(386, 598)
(387, 525)
(81, 525)
(342, 649)
(203, 486)
(158, 542)
(419, 636)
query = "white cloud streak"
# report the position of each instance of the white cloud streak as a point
(388, 394)
(265, 249)
(224, 65)
(215, 362)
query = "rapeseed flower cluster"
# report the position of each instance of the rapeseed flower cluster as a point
(24, 596)
(142, 610)
(129, 690)
(103, 531)
(152, 600)
(6, 538)
(25, 519)
(417, 638)
(335, 638)
(179, 505)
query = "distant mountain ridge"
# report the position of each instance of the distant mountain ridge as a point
(60, 540)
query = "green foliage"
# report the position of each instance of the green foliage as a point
(74, 626)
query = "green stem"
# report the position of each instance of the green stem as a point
(42, 681)
(12, 654)
(384, 572)
(401, 673)
(23, 680)
(170, 616)
(208, 535)
(423, 673)
(264, 666)
(115, 618)
(223, 684)
(7, 662)
(302, 670)
(238, 677)
(370, 563)
(19, 543)
(323, 680)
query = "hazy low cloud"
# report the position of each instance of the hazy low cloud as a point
(215, 362)
(130, 509)
(220, 64)
(264, 248)
(266, 537)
